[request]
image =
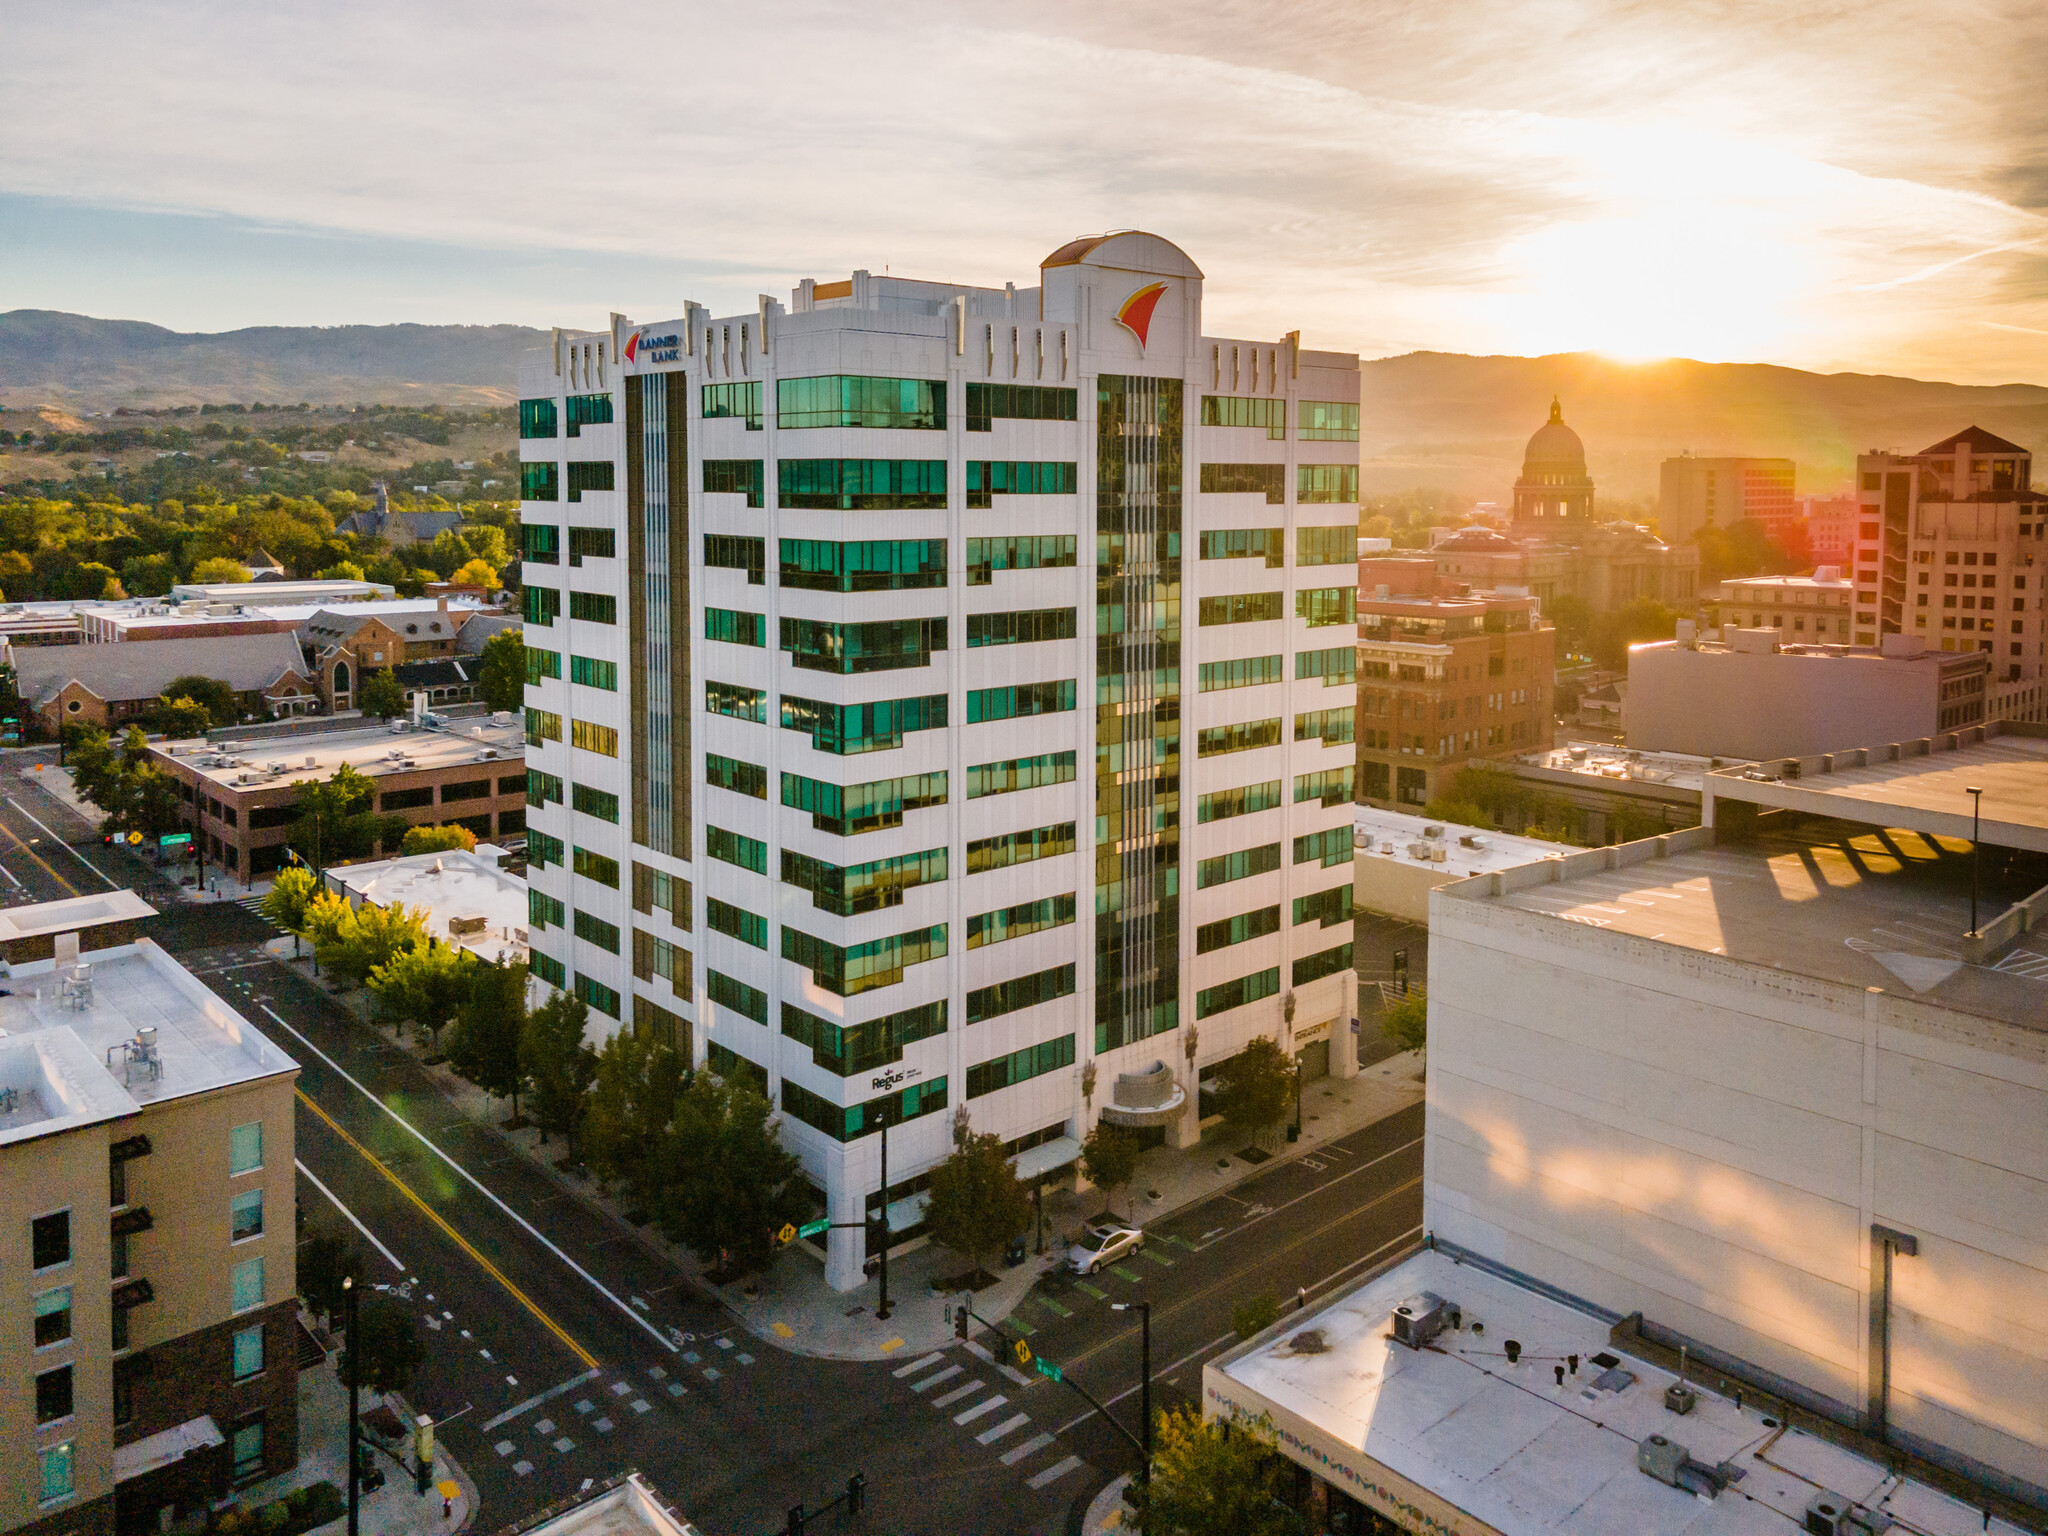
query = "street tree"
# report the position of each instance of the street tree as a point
(478, 573)
(220, 571)
(291, 893)
(628, 1127)
(558, 1066)
(381, 695)
(483, 1047)
(1256, 1085)
(436, 840)
(325, 1258)
(371, 937)
(125, 783)
(222, 705)
(501, 670)
(738, 1186)
(977, 1201)
(424, 985)
(1109, 1158)
(180, 718)
(1210, 1478)
(1406, 1022)
(335, 820)
(390, 1345)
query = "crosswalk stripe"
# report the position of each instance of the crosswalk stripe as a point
(936, 1377)
(1052, 1306)
(986, 1405)
(1013, 1423)
(1055, 1472)
(917, 1365)
(957, 1393)
(1017, 1453)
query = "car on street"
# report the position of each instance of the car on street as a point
(1102, 1243)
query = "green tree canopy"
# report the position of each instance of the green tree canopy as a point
(291, 893)
(219, 571)
(483, 1047)
(335, 820)
(325, 1257)
(557, 1064)
(390, 1344)
(738, 1185)
(627, 1135)
(1212, 1479)
(1109, 1157)
(370, 937)
(125, 783)
(381, 695)
(1257, 1086)
(223, 706)
(977, 1201)
(1406, 1021)
(424, 985)
(180, 718)
(502, 670)
(437, 840)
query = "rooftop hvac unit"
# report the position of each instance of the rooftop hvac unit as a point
(311, 761)
(501, 717)
(1829, 1514)
(465, 923)
(1432, 831)
(1439, 854)
(279, 767)
(1664, 1458)
(1420, 1318)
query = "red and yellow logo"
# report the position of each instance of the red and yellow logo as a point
(1135, 315)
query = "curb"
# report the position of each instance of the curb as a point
(1106, 1512)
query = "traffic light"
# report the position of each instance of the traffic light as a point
(960, 1321)
(856, 1492)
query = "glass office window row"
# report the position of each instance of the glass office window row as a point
(735, 627)
(847, 970)
(541, 665)
(1337, 666)
(855, 400)
(1242, 736)
(592, 865)
(848, 809)
(592, 672)
(1017, 773)
(597, 995)
(654, 889)
(1333, 545)
(882, 645)
(1326, 421)
(541, 606)
(859, 485)
(539, 480)
(1330, 847)
(736, 848)
(1334, 726)
(848, 729)
(853, 1121)
(740, 400)
(1211, 1001)
(1024, 627)
(847, 891)
(592, 544)
(1267, 544)
(1332, 786)
(587, 411)
(1023, 552)
(549, 969)
(595, 930)
(591, 801)
(736, 477)
(867, 565)
(1325, 907)
(1020, 1066)
(1239, 865)
(542, 725)
(1267, 480)
(735, 1068)
(593, 475)
(992, 1002)
(543, 788)
(1246, 411)
(1014, 922)
(540, 544)
(1243, 672)
(844, 1049)
(543, 849)
(543, 909)
(740, 777)
(990, 403)
(1242, 608)
(594, 607)
(730, 992)
(592, 737)
(1327, 605)
(1019, 700)
(1241, 800)
(1327, 962)
(988, 479)
(654, 957)
(536, 419)
(1238, 929)
(735, 922)
(737, 552)
(1326, 485)
(987, 853)
(737, 701)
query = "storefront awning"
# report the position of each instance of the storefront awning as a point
(909, 1211)
(165, 1447)
(1036, 1162)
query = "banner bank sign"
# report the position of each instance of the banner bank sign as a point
(643, 349)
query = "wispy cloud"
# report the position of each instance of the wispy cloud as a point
(1779, 181)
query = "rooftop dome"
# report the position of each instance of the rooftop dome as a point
(1555, 445)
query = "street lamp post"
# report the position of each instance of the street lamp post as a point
(355, 1353)
(1976, 852)
(1144, 1311)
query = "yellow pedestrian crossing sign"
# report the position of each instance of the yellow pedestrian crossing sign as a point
(134, 837)
(1023, 1352)
(787, 1235)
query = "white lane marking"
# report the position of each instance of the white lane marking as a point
(534, 1402)
(88, 863)
(986, 1405)
(595, 1284)
(1009, 1426)
(351, 1215)
(954, 1396)
(917, 1365)
(938, 1376)
(1055, 1472)
(1037, 1442)
(1258, 1214)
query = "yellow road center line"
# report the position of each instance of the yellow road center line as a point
(459, 1240)
(24, 847)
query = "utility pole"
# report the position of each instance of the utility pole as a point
(355, 1477)
(1144, 1311)
(1976, 852)
(881, 1311)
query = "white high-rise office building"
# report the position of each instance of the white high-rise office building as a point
(942, 697)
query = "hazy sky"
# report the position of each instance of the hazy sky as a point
(1827, 184)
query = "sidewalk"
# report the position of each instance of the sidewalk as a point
(394, 1509)
(792, 1308)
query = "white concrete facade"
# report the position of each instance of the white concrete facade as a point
(1631, 1100)
(1106, 359)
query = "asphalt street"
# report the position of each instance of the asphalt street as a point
(562, 1351)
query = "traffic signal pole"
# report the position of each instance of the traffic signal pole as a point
(1024, 1356)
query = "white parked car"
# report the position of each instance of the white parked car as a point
(1102, 1243)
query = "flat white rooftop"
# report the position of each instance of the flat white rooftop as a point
(453, 888)
(371, 752)
(1595, 760)
(70, 1059)
(75, 912)
(1466, 850)
(1455, 1424)
(338, 591)
(630, 1506)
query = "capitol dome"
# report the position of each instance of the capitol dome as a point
(1555, 445)
(1554, 488)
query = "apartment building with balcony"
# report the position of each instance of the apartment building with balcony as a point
(146, 1199)
(942, 696)
(1949, 547)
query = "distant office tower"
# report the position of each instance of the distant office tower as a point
(1555, 490)
(1947, 549)
(942, 697)
(1719, 493)
(1831, 528)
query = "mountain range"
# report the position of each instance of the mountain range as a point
(1438, 419)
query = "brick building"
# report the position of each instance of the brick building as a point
(1445, 674)
(244, 800)
(109, 685)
